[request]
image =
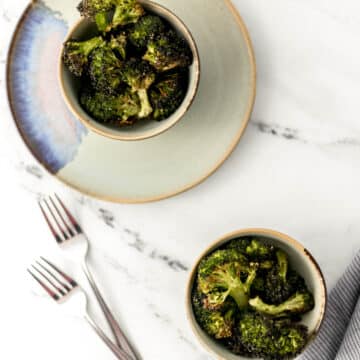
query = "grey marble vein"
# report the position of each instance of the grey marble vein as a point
(277, 130)
(174, 264)
(107, 217)
(5, 16)
(136, 241)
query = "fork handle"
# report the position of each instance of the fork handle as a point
(121, 340)
(119, 353)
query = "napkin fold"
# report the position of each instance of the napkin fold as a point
(339, 336)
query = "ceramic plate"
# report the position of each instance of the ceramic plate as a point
(146, 170)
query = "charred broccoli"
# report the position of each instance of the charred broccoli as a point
(259, 250)
(238, 273)
(216, 323)
(147, 28)
(105, 70)
(139, 76)
(126, 12)
(280, 282)
(263, 337)
(256, 334)
(113, 69)
(253, 248)
(299, 303)
(89, 8)
(98, 10)
(117, 109)
(119, 44)
(167, 95)
(224, 281)
(168, 51)
(218, 258)
(291, 340)
(76, 54)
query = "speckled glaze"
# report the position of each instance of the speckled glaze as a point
(301, 260)
(152, 169)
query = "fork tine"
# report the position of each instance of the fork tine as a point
(66, 277)
(67, 288)
(71, 218)
(44, 286)
(65, 235)
(60, 290)
(52, 229)
(61, 217)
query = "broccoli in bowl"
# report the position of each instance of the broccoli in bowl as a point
(248, 297)
(135, 68)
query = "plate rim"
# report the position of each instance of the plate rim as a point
(246, 119)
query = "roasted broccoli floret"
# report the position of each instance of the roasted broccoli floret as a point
(139, 75)
(263, 337)
(168, 51)
(215, 323)
(105, 70)
(225, 281)
(167, 95)
(281, 282)
(119, 44)
(89, 8)
(299, 303)
(220, 257)
(147, 28)
(253, 248)
(117, 110)
(76, 54)
(259, 250)
(98, 10)
(290, 340)
(256, 334)
(239, 244)
(126, 12)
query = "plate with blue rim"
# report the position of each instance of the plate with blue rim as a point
(146, 170)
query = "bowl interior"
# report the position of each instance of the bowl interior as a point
(301, 261)
(70, 85)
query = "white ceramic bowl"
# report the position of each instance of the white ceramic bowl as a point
(301, 260)
(70, 85)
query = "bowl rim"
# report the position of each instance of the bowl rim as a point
(192, 90)
(247, 232)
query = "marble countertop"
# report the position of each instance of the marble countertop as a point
(295, 171)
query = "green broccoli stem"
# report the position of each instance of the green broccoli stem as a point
(241, 293)
(101, 21)
(146, 108)
(282, 264)
(299, 303)
(241, 297)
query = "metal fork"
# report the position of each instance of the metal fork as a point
(64, 290)
(68, 234)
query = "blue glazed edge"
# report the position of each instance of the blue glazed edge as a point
(54, 143)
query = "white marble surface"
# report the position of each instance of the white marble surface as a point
(295, 170)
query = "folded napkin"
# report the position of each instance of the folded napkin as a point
(339, 337)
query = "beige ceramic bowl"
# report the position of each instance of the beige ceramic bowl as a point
(300, 259)
(70, 84)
